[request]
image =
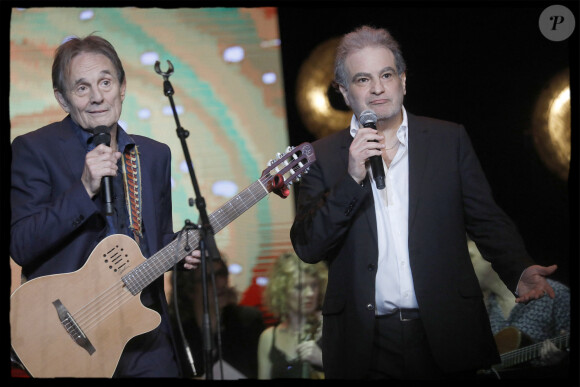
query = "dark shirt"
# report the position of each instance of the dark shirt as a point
(282, 368)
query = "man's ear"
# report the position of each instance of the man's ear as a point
(123, 89)
(344, 93)
(61, 101)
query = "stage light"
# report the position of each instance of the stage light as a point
(144, 113)
(552, 127)
(235, 268)
(168, 111)
(183, 167)
(269, 78)
(270, 43)
(87, 14)
(224, 188)
(234, 54)
(149, 58)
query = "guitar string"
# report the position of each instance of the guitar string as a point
(87, 308)
(114, 305)
(124, 295)
(120, 298)
(87, 313)
(101, 307)
(524, 353)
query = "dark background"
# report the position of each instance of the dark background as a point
(482, 65)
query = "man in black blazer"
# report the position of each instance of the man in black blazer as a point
(402, 299)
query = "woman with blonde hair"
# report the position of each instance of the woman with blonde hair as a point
(294, 295)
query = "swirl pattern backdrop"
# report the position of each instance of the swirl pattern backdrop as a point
(229, 95)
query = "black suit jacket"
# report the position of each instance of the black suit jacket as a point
(448, 197)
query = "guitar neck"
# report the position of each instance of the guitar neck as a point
(166, 258)
(532, 352)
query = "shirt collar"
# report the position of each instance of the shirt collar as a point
(123, 139)
(401, 132)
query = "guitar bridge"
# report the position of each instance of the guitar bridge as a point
(71, 326)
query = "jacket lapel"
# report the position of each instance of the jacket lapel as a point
(147, 187)
(418, 154)
(72, 149)
(370, 206)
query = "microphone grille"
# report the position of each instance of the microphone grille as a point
(366, 117)
(102, 129)
(102, 135)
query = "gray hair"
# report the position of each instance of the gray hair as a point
(358, 39)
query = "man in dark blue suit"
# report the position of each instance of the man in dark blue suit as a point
(402, 299)
(58, 215)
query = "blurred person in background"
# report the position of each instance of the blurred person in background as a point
(239, 326)
(294, 294)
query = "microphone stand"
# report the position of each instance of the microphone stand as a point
(207, 243)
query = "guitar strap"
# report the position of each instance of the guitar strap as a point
(132, 180)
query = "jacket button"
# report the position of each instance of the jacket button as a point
(370, 307)
(348, 210)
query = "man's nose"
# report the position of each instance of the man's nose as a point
(96, 95)
(377, 87)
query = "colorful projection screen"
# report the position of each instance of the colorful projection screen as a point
(228, 94)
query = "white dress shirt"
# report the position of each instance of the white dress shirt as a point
(394, 282)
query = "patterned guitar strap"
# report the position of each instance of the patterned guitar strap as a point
(132, 180)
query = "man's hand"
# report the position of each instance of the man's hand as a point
(100, 162)
(533, 284)
(363, 147)
(192, 261)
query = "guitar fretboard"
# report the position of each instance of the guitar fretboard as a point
(531, 352)
(187, 241)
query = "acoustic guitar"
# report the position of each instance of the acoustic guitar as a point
(77, 324)
(516, 348)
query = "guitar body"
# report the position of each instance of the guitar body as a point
(102, 307)
(510, 339)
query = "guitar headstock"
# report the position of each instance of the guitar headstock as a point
(287, 168)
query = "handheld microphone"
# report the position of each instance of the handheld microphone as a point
(102, 135)
(368, 119)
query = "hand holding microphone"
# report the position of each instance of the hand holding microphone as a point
(100, 166)
(368, 119)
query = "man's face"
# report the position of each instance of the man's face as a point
(374, 84)
(94, 96)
